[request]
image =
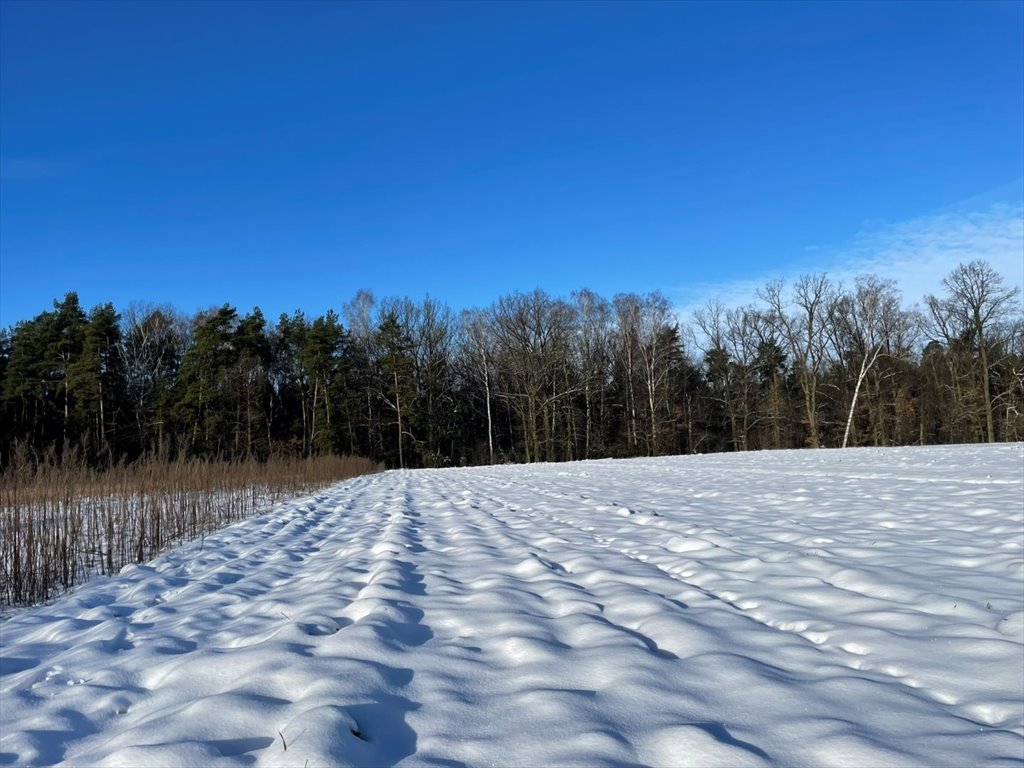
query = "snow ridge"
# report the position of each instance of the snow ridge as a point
(806, 608)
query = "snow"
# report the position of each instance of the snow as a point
(805, 608)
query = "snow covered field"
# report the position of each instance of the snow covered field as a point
(813, 608)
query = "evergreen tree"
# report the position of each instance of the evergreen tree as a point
(202, 403)
(98, 380)
(532, 377)
(323, 358)
(396, 385)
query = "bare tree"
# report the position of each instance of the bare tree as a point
(153, 342)
(802, 322)
(658, 345)
(729, 341)
(627, 318)
(359, 315)
(532, 334)
(592, 342)
(477, 343)
(433, 339)
(1013, 391)
(976, 305)
(708, 334)
(865, 325)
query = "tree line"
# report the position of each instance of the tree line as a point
(532, 377)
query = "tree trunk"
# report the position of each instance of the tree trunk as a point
(985, 386)
(811, 407)
(398, 410)
(650, 402)
(864, 365)
(490, 429)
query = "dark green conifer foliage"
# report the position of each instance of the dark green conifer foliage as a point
(397, 389)
(202, 394)
(98, 381)
(323, 357)
(529, 378)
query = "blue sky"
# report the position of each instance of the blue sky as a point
(286, 155)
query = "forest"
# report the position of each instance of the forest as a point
(531, 377)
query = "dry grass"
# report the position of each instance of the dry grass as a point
(62, 522)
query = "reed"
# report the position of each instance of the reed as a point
(62, 522)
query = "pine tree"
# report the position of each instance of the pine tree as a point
(200, 397)
(396, 386)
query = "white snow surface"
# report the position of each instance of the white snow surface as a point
(862, 607)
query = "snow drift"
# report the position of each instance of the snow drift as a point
(857, 607)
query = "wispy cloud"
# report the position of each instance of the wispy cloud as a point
(917, 254)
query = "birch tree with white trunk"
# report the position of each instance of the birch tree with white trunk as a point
(866, 324)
